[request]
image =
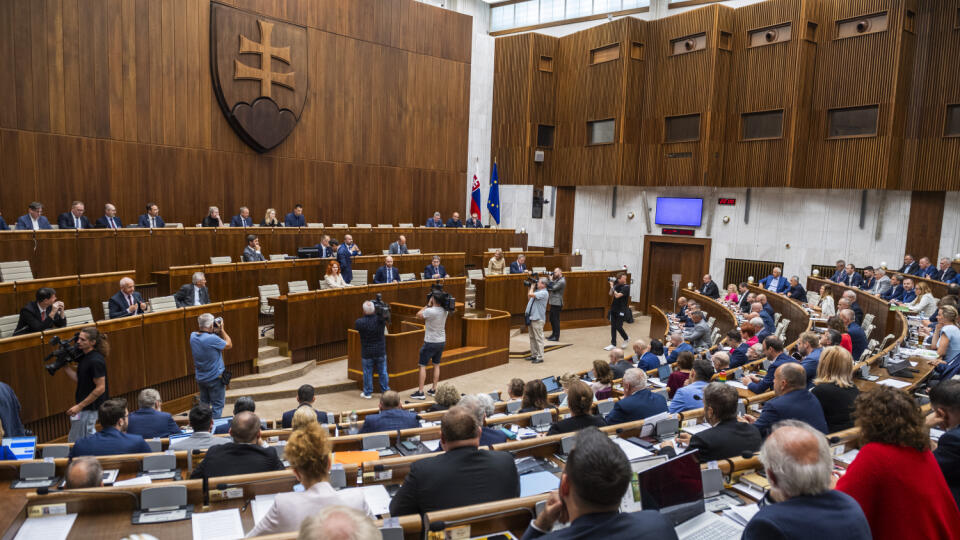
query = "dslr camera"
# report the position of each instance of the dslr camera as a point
(442, 298)
(532, 279)
(66, 352)
(612, 279)
(381, 309)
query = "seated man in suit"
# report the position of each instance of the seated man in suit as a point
(638, 401)
(519, 266)
(799, 467)
(399, 247)
(894, 291)
(3, 224)
(759, 328)
(793, 401)
(764, 315)
(325, 249)
(809, 346)
(127, 301)
(151, 219)
(858, 338)
(454, 222)
(838, 275)
(109, 220)
(252, 253)
(851, 298)
(773, 349)
(882, 285)
(242, 219)
(435, 221)
(33, 220)
(690, 395)
(727, 437)
(462, 475)
(738, 348)
(775, 281)
(295, 218)
(618, 363)
(391, 417)
(765, 304)
(74, 219)
(43, 314)
(699, 334)
(851, 278)
(869, 279)
(201, 420)
(909, 292)
(212, 219)
(149, 421)
(926, 268)
(305, 398)
(945, 273)
(242, 456)
(596, 476)
(945, 405)
(435, 269)
(388, 273)
(84, 472)
(112, 438)
(242, 404)
(910, 266)
(796, 290)
(194, 293)
(482, 407)
(744, 291)
(677, 345)
(474, 222)
(709, 288)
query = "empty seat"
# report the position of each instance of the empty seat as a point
(340, 225)
(364, 226)
(15, 271)
(475, 274)
(403, 277)
(8, 323)
(106, 310)
(323, 285)
(220, 260)
(278, 256)
(163, 303)
(314, 225)
(514, 250)
(814, 299)
(77, 316)
(711, 321)
(360, 277)
(409, 225)
(57, 451)
(385, 252)
(776, 318)
(540, 269)
(54, 226)
(267, 291)
(868, 329)
(297, 287)
(867, 320)
(173, 225)
(385, 226)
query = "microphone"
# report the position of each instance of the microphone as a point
(746, 454)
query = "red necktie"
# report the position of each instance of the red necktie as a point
(43, 314)
(113, 224)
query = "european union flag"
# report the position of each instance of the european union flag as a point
(493, 197)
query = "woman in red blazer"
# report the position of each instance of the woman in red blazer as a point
(895, 477)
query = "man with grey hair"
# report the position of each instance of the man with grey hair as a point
(709, 288)
(481, 406)
(638, 402)
(109, 220)
(858, 338)
(798, 465)
(721, 361)
(373, 349)
(618, 363)
(677, 346)
(194, 293)
(759, 328)
(793, 401)
(207, 346)
(149, 421)
(852, 298)
(536, 313)
(126, 302)
(699, 334)
(945, 273)
(882, 284)
(775, 281)
(212, 219)
(338, 523)
(84, 472)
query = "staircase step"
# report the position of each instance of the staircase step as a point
(273, 363)
(326, 379)
(272, 377)
(264, 341)
(268, 351)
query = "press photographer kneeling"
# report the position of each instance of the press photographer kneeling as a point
(91, 378)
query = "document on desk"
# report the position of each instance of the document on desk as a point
(736, 384)
(135, 481)
(538, 482)
(895, 383)
(378, 500)
(432, 444)
(223, 524)
(632, 451)
(260, 505)
(49, 527)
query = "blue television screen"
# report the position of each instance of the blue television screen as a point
(680, 212)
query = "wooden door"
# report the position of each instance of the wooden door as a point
(665, 256)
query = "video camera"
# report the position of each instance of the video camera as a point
(442, 298)
(381, 309)
(67, 352)
(532, 279)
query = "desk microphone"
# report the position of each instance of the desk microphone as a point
(748, 454)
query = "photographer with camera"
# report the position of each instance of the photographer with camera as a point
(434, 315)
(91, 378)
(556, 285)
(207, 346)
(44, 314)
(373, 349)
(536, 314)
(619, 310)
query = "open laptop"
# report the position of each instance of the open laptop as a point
(217, 422)
(21, 447)
(551, 384)
(675, 489)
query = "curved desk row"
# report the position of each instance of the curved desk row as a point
(790, 309)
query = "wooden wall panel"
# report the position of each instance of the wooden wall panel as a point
(926, 223)
(510, 137)
(112, 101)
(563, 224)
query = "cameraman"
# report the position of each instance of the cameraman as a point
(373, 349)
(207, 346)
(556, 285)
(619, 310)
(91, 378)
(537, 314)
(434, 339)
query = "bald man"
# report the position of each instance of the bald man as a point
(242, 456)
(127, 302)
(709, 288)
(109, 220)
(84, 472)
(793, 401)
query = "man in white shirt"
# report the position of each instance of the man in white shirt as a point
(434, 340)
(201, 420)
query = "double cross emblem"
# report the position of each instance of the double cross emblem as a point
(267, 52)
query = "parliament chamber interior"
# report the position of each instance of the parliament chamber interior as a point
(492, 269)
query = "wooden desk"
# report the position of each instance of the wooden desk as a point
(790, 309)
(885, 321)
(726, 320)
(659, 323)
(585, 299)
(534, 258)
(938, 288)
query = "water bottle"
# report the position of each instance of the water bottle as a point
(353, 423)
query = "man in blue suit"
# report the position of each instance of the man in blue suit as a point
(909, 294)
(793, 401)
(435, 221)
(519, 266)
(112, 438)
(869, 281)
(295, 218)
(109, 219)
(152, 219)
(639, 402)
(33, 220)
(895, 292)
(3, 224)
(677, 346)
(74, 219)
(775, 281)
(738, 349)
(838, 275)
(910, 266)
(435, 269)
(945, 273)
(127, 301)
(773, 349)
(391, 417)
(596, 475)
(149, 421)
(768, 325)
(242, 219)
(945, 402)
(857, 337)
(345, 254)
(388, 273)
(809, 346)
(800, 486)
(851, 278)
(305, 397)
(324, 249)
(926, 270)
(481, 406)
(765, 304)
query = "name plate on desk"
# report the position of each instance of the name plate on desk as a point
(141, 517)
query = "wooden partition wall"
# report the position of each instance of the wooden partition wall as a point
(788, 308)
(726, 319)
(885, 321)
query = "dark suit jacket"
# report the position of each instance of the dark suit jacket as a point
(620, 368)
(492, 436)
(429, 272)
(927, 272)
(644, 525)
(858, 340)
(454, 224)
(838, 276)
(103, 222)
(237, 221)
(636, 406)
(473, 224)
(516, 268)
(868, 284)
(385, 275)
(738, 356)
(832, 515)
(144, 221)
(857, 312)
(710, 289)
(727, 439)
(252, 255)
(150, 423)
(948, 457)
(768, 323)
(293, 220)
(24, 223)
(236, 458)
(324, 252)
(893, 293)
(908, 296)
(345, 258)
(744, 304)
(65, 221)
(30, 322)
(945, 276)
(108, 442)
(767, 382)
(397, 249)
(287, 419)
(432, 223)
(184, 296)
(458, 477)
(210, 222)
(794, 405)
(576, 423)
(390, 420)
(3, 224)
(853, 280)
(797, 293)
(911, 268)
(118, 305)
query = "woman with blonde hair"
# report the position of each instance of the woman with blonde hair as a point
(302, 417)
(496, 264)
(447, 396)
(333, 278)
(826, 306)
(834, 387)
(308, 451)
(731, 294)
(270, 219)
(925, 304)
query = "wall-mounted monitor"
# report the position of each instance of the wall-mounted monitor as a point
(679, 211)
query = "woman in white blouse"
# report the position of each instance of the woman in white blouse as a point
(333, 278)
(308, 451)
(826, 306)
(925, 304)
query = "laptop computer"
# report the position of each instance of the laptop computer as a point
(217, 422)
(551, 384)
(21, 447)
(675, 489)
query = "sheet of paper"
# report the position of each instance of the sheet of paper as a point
(848, 456)
(48, 528)
(432, 444)
(631, 450)
(935, 434)
(260, 505)
(378, 500)
(741, 514)
(135, 481)
(894, 383)
(696, 428)
(223, 524)
(537, 483)
(738, 384)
